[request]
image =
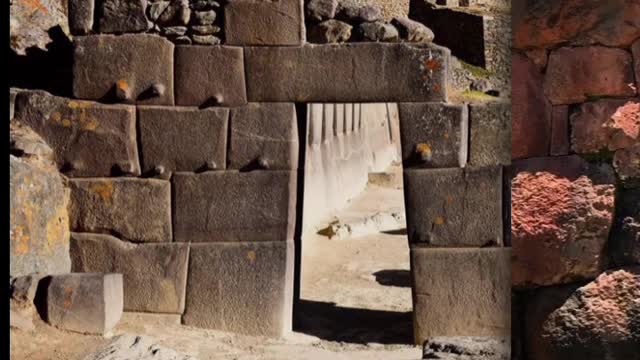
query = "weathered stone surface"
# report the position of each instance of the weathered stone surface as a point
(182, 139)
(206, 17)
(454, 207)
(627, 164)
(607, 124)
(575, 74)
(562, 211)
(596, 321)
(20, 320)
(355, 13)
(257, 22)
(205, 39)
(256, 295)
(490, 134)
(635, 49)
(467, 348)
(71, 127)
(127, 346)
(378, 31)
(156, 8)
(531, 111)
(614, 23)
(104, 63)
(433, 134)
(177, 12)
(477, 304)
(26, 143)
(413, 31)
(366, 72)
(210, 75)
(86, 303)
(81, 16)
(389, 9)
(559, 131)
(264, 134)
(330, 32)
(138, 210)
(154, 275)
(322, 9)
(30, 23)
(234, 206)
(123, 16)
(23, 289)
(624, 241)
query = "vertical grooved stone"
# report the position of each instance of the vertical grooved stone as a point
(210, 75)
(433, 134)
(454, 207)
(264, 131)
(245, 288)
(218, 206)
(259, 22)
(358, 72)
(138, 210)
(81, 16)
(461, 292)
(155, 275)
(182, 139)
(490, 134)
(133, 63)
(88, 139)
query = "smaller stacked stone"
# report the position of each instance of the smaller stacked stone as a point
(331, 22)
(187, 21)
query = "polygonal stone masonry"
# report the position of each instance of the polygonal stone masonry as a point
(454, 207)
(221, 206)
(433, 134)
(182, 139)
(256, 294)
(264, 135)
(72, 127)
(154, 275)
(130, 68)
(461, 292)
(210, 75)
(257, 22)
(365, 72)
(137, 210)
(490, 134)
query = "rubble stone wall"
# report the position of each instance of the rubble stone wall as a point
(575, 181)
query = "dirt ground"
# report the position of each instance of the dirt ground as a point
(356, 304)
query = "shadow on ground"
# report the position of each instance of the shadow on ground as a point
(351, 325)
(396, 232)
(399, 278)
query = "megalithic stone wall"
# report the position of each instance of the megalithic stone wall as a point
(183, 159)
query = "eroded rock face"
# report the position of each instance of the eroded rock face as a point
(597, 321)
(624, 243)
(30, 21)
(560, 222)
(606, 125)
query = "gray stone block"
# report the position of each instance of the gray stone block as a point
(72, 127)
(264, 134)
(210, 75)
(133, 68)
(461, 292)
(360, 72)
(234, 206)
(241, 287)
(257, 22)
(123, 16)
(490, 134)
(85, 303)
(433, 134)
(138, 210)
(182, 139)
(454, 207)
(81, 14)
(154, 275)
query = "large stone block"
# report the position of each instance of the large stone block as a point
(264, 136)
(210, 75)
(259, 22)
(365, 72)
(448, 304)
(85, 303)
(490, 134)
(72, 127)
(434, 134)
(138, 210)
(575, 74)
(154, 275)
(241, 287)
(234, 206)
(182, 139)
(127, 68)
(454, 207)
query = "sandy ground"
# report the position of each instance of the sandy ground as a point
(356, 305)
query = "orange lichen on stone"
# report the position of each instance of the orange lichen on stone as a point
(432, 64)
(122, 84)
(251, 255)
(423, 148)
(22, 240)
(104, 189)
(439, 220)
(35, 5)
